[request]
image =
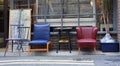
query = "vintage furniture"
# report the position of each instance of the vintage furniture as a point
(18, 35)
(63, 31)
(41, 37)
(86, 37)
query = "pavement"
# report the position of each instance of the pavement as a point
(62, 58)
(82, 60)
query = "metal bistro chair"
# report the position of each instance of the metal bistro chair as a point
(18, 35)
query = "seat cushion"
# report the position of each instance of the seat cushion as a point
(38, 42)
(85, 43)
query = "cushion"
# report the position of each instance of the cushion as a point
(38, 42)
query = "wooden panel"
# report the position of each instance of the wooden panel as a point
(19, 16)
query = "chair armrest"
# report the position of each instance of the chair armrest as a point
(49, 42)
(95, 30)
(79, 32)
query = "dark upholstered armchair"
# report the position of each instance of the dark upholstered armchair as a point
(86, 37)
(41, 37)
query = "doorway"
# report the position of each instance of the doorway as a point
(1, 23)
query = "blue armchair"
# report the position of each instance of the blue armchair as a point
(41, 37)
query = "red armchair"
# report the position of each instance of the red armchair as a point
(86, 37)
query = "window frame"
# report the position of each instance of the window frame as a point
(80, 21)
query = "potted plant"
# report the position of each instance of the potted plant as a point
(107, 42)
(106, 10)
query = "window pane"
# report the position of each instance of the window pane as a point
(70, 7)
(22, 3)
(100, 11)
(50, 8)
(54, 6)
(41, 7)
(86, 8)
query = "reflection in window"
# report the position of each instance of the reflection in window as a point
(68, 12)
(86, 9)
(100, 20)
(65, 8)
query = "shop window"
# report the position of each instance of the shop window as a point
(101, 4)
(67, 12)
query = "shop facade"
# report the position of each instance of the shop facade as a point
(60, 13)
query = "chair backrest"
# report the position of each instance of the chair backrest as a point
(41, 32)
(19, 31)
(14, 31)
(86, 32)
(24, 32)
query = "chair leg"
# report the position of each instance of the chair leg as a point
(58, 47)
(6, 49)
(78, 50)
(19, 52)
(48, 44)
(12, 45)
(21, 46)
(47, 48)
(29, 49)
(94, 50)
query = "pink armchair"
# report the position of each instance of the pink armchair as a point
(86, 37)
